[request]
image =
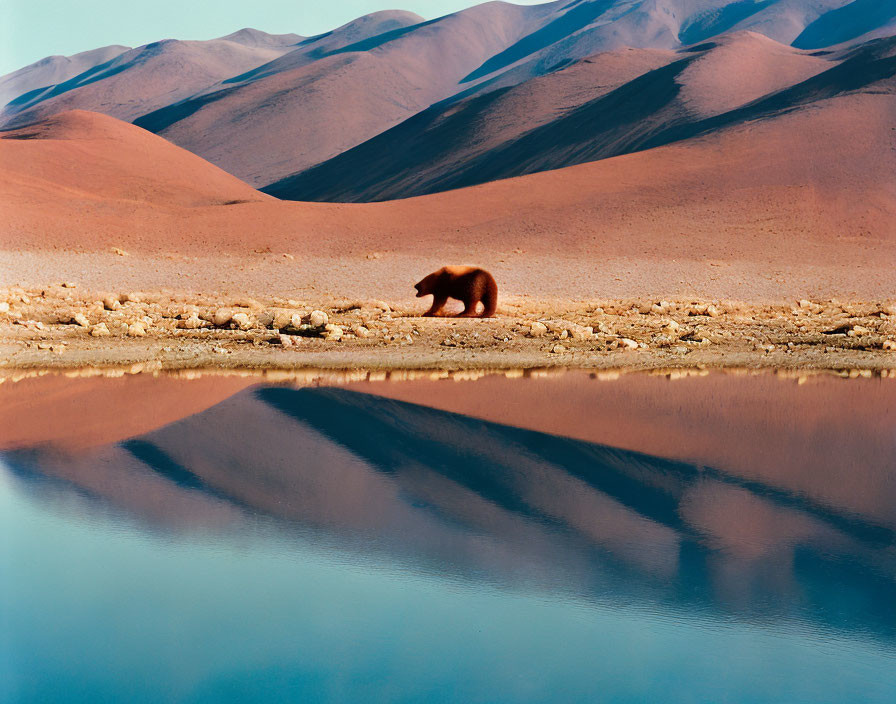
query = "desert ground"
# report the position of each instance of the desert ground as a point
(122, 249)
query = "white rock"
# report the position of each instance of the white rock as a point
(136, 330)
(318, 318)
(221, 317)
(558, 349)
(100, 330)
(628, 344)
(111, 303)
(81, 320)
(360, 331)
(296, 320)
(537, 329)
(242, 320)
(282, 319)
(4, 307)
(191, 323)
(890, 345)
(334, 332)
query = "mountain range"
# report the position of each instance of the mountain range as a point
(391, 105)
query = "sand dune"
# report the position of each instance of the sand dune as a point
(144, 79)
(81, 163)
(807, 192)
(601, 107)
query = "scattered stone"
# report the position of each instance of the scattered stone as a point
(289, 340)
(334, 332)
(132, 298)
(69, 284)
(296, 320)
(222, 317)
(360, 331)
(858, 330)
(219, 350)
(537, 329)
(136, 330)
(628, 344)
(119, 251)
(579, 332)
(558, 349)
(889, 345)
(250, 303)
(191, 323)
(841, 330)
(111, 303)
(100, 330)
(242, 321)
(4, 307)
(318, 318)
(281, 319)
(81, 320)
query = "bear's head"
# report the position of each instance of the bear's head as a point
(427, 285)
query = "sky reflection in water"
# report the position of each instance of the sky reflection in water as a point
(331, 545)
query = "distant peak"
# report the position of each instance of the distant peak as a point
(249, 36)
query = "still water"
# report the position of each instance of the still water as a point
(714, 539)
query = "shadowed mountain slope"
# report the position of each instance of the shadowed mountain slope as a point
(265, 107)
(40, 77)
(146, 78)
(521, 130)
(326, 96)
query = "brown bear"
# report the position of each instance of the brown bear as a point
(467, 284)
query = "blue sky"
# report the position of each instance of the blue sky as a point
(33, 29)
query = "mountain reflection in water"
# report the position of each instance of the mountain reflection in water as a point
(454, 495)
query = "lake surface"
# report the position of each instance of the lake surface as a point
(710, 539)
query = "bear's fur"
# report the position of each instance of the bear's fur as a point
(468, 284)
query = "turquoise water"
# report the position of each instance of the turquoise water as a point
(326, 545)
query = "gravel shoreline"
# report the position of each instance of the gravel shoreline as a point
(65, 327)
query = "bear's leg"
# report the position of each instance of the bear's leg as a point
(469, 309)
(438, 302)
